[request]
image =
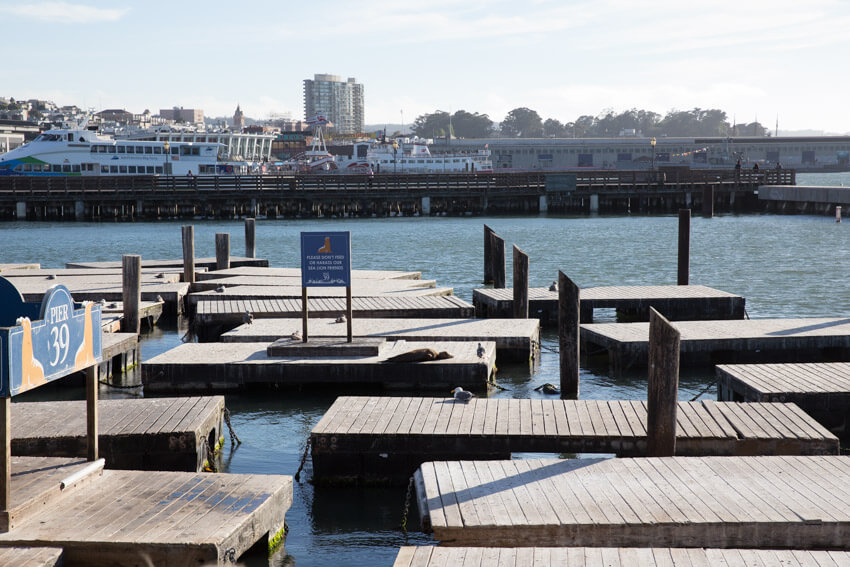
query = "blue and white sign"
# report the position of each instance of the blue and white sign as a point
(326, 259)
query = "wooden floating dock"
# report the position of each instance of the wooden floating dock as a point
(142, 517)
(516, 339)
(120, 352)
(205, 367)
(176, 264)
(31, 557)
(296, 274)
(822, 390)
(712, 342)
(216, 315)
(791, 502)
(675, 302)
(168, 434)
(431, 556)
(384, 439)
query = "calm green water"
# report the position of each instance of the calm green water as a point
(786, 266)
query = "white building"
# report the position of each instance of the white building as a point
(339, 101)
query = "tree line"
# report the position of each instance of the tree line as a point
(526, 123)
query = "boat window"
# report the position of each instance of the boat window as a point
(104, 169)
(45, 167)
(75, 168)
(158, 169)
(122, 169)
(140, 149)
(131, 169)
(150, 169)
(70, 137)
(113, 169)
(148, 150)
(157, 150)
(56, 168)
(27, 167)
(121, 149)
(94, 149)
(66, 168)
(18, 167)
(175, 150)
(110, 149)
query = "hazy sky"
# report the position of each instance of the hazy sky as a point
(562, 58)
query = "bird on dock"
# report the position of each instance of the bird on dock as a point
(341, 319)
(247, 317)
(554, 286)
(159, 299)
(480, 352)
(160, 275)
(296, 336)
(462, 395)
(220, 289)
(51, 276)
(102, 302)
(548, 388)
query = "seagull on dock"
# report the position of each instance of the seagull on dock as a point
(51, 276)
(341, 319)
(462, 395)
(554, 286)
(296, 336)
(480, 352)
(220, 289)
(247, 317)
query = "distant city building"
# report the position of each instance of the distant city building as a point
(238, 119)
(339, 101)
(180, 114)
(117, 115)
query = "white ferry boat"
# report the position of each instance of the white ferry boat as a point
(80, 152)
(411, 155)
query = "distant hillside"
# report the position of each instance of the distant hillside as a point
(783, 133)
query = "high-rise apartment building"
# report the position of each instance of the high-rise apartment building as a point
(339, 101)
(180, 114)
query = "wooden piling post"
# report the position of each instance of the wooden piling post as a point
(498, 266)
(663, 386)
(131, 292)
(6, 454)
(568, 336)
(488, 254)
(250, 248)
(188, 254)
(222, 251)
(684, 246)
(91, 412)
(708, 201)
(520, 304)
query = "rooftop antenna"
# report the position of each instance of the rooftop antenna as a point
(776, 131)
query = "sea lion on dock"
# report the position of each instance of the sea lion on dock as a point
(419, 355)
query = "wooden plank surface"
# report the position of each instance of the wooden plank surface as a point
(770, 501)
(430, 556)
(255, 271)
(30, 557)
(188, 518)
(176, 264)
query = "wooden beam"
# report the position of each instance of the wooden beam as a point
(498, 267)
(131, 292)
(250, 229)
(663, 386)
(188, 254)
(520, 303)
(6, 455)
(569, 313)
(488, 255)
(684, 246)
(222, 251)
(708, 201)
(91, 412)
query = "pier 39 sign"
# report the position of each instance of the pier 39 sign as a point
(326, 259)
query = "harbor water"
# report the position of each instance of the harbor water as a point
(785, 266)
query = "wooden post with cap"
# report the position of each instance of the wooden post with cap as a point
(662, 387)
(569, 327)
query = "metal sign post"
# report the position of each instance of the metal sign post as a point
(325, 262)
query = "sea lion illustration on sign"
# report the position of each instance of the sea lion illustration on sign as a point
(326, 249)
(32, 372)
(85, 354)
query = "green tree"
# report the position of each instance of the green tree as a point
(431, 125)
(554, 129)
(522, 123)
(471, 125)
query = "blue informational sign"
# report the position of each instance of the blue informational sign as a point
(40, 342)
(326, 259)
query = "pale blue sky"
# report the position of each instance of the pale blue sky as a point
(562, 58)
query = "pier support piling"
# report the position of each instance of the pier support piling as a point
(569, 313)
(684, 246)
(250, 227)
(488, 255)
(663, 386)
(594, 203)
(520, 303)
(708, 201)
(222, 251)
(131, 292)
(79, 211)
(543, 206)
(21, 210)
(188, 254)
(426, 206)
(498, 251)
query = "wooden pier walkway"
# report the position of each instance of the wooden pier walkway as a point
(121, 351)
(791, 502)
(142, 517)
(174, 264)
(820, 389)
(712, 342)
(295, 273)
(31, 557)
(516, 339)
(205, 367)
(675, 302)
(166, 434)
(433, 556)
(216, 315)
(384, 439)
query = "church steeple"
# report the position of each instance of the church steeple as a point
(238, 119)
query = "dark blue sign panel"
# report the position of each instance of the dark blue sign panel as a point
(63, 338)
(326, 259)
